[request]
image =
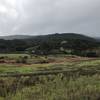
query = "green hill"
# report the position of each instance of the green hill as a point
(48, 43)
(12, 37)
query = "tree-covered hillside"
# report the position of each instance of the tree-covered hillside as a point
(46, 44)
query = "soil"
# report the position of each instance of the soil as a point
(51, 60)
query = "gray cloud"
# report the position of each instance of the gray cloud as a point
(49, 16)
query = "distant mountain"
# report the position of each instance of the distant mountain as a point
(55, 36)
(97, 38)
(61, 37)
(12, 37)
(42, 42)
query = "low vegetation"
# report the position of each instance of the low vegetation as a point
(79, 81)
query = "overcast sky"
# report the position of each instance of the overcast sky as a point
(49, 16)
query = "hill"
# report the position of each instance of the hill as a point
(63, 36)
(47, 43)
(97, 38)
(56, 35)
(12, 37)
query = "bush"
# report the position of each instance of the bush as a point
(25, 57)
(2, 57)
(22, 60)
(91, 54)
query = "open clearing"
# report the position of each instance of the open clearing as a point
(9, 65)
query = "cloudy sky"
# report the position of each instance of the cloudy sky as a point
(49, 16)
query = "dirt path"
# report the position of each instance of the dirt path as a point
(54, 61)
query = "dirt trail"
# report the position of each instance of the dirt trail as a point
(52, 61)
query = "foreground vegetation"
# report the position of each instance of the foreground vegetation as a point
(81, 81)
(62, 88)
(53, 87)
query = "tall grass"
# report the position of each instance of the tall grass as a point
(56, 87)
(84, 84)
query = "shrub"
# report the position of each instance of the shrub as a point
(2, 57)
(91, 54)
(25, 57)
(22, 59)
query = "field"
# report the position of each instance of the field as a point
(55, 77)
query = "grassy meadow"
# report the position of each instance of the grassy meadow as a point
(80, 82)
